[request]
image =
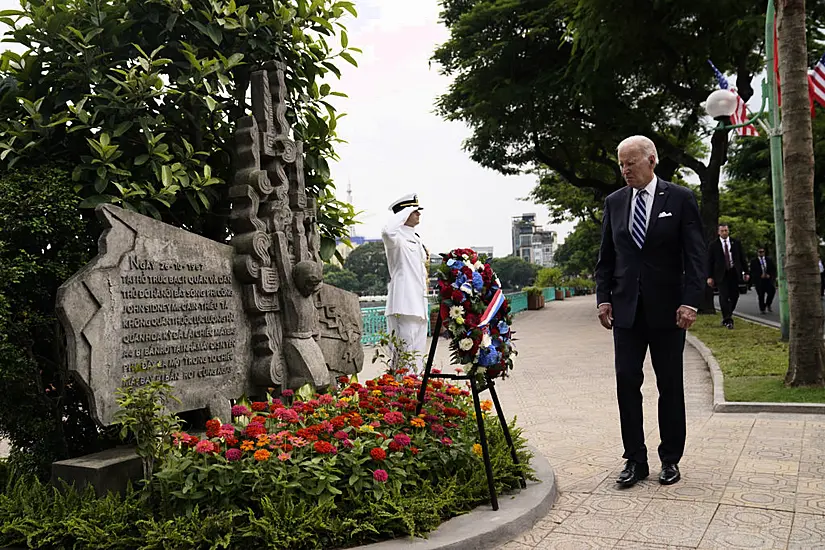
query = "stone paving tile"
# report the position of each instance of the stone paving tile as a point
(747, 528)
(807, 532)
(681, 523)
(748, 480)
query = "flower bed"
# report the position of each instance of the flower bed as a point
(334, 470)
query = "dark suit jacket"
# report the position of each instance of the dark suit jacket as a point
(669, 269)
(756, 269)
(716, 260)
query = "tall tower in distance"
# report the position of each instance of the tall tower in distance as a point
(349, 200)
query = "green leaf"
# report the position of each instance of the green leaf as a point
(122, 128)
(210, 103)
(344, 39)
(327, 248)
(141, 159)
(349, 58)
(94, 200)
(166, 175)
(325, 89)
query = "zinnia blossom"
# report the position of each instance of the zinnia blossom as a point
(477, 449)
(283, 457)
(394, 417)
(486, 405)
(378, 454)
(233, 454)
(380, 475)
(446, 441)
(262, 455)
(418, 422)
(340, 434)
(259, 406)
(287, 393)
(204, 446)
(325, 399)
(226, 430)
(402, 439)
(212, 427)
(247, 445)
(239, 410)
(325, 448)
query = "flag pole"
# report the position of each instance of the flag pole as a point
(774, 123)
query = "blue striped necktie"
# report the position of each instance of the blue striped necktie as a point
(639, 219)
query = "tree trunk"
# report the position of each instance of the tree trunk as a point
(807, 352)
(709, 209)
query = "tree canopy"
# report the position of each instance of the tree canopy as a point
(139, 97)
(555, 86)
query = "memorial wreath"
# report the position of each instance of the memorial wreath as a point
(476, 314)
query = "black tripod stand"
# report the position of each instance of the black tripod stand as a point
(489, 384)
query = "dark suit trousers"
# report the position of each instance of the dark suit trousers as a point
(728, 293)
(666, 348)
(765, 291)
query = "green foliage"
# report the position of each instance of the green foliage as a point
(514, 272)
(393, 352)
(562, 83)
(533, 290)
(140, 97)
(580, 250)
(368, 263)
(144, 419)
(344, 279)
(754, 361)
(43, 241)
(549, 277)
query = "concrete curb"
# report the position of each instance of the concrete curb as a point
(720, 405)
(757, 320)
(482, 528)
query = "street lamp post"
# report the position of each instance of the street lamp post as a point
(720, 105)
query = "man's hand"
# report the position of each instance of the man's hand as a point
(747, 277)
(685, 317)
(606, 315)
(710, 282)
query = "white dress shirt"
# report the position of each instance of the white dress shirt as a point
(406, 260)
(651, 192)
(729, 257)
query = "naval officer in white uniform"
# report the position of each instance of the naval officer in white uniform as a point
(407, 259)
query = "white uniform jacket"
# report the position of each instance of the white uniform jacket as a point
(406, 259)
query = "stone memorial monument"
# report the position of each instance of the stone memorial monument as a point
(216, 321)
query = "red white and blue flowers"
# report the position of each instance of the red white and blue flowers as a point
(476, 314)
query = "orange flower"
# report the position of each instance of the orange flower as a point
(247, 445)
(453, 390)
(263, 441)
(477, 449)
(487, 405)
(262, 455)
(418, 423)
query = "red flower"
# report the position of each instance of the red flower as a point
(414, 450)
(325, 448)
(445, 311)
(394, 446)
(212, 427)
(378, 454)
(254, 430)
(287, 447)
(457, 296)
(259, 406)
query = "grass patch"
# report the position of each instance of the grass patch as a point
(753, 360)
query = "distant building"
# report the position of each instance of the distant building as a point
(484, 251)
(531, 242)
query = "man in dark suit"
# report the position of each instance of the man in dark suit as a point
(763, 276)
(649, 281)
(726, 269)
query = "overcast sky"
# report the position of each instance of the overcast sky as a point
(397, 145)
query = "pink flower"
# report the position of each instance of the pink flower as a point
(287, 393)
(347, 444)
(226, 430)
(375, 423)
(233, 454)
(325, 399)
(447, 441)
(341, 404)
(239, 410)
(340, 434)
(380, 475)
(402, 439)
(204, 447)
(394, 417)
(283, 457)
(288, 415)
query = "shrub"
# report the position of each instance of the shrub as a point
(43, 241)
(549, 277)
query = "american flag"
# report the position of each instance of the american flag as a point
(816, 80)
(740, 115)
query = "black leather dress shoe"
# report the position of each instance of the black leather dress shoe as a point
(670, 474)
(632, 473)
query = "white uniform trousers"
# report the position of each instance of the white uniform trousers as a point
(413, 331)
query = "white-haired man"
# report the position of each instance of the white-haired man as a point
(406, 311)
(649, 280)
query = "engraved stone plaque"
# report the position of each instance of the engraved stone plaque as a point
(156, 296)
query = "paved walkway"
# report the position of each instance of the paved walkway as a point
(751, 481)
